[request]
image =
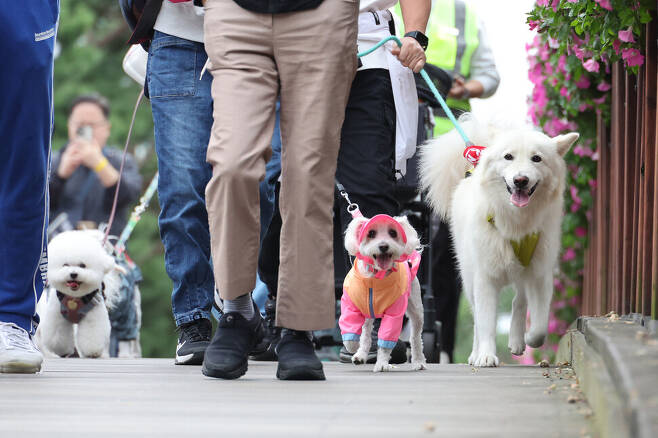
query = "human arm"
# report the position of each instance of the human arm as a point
(131, 180)
(415, 14)
(484, 78)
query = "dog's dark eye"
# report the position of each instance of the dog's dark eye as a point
(82, 265)
(372, 234)
(536, 158)
(508, 157)
(393, 233)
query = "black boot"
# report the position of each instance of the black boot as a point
(297, 359)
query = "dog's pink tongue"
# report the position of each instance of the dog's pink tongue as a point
(519, 198)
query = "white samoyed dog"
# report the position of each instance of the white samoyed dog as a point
(83, 284)
(505, 220)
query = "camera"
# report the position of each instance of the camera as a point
(85, 132)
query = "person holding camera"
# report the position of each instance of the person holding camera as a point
(85, 172)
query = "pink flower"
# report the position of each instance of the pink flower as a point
(603, 86)
(533, 24)
(599, 100)
(583, 107)
(580, 232)
(592, 182)
(561, 63)
(543, 2)
(557, 284)
(580, 53)
(583, 83)
(575, 207)
(615, 45)
(605, 4)
(626, 35)
(572, 1)
(564, 92)
(632, 57)
(569, 255)
(591, 65)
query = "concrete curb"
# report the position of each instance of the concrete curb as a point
(616, 361)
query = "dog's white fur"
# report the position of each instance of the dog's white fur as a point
(371, 246)
(486, 259)
(80, 256)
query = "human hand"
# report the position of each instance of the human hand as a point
(411, 54)
(458, 90)
(70, 161)
(89, 152)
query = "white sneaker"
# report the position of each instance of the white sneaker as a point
(18, 354)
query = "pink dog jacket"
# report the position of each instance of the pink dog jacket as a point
(384, 298)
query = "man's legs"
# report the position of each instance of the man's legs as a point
(182, 118)
(27, 37)
(245, 85)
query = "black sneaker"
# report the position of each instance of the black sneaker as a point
(266, 350)
(227, 355)
(193, 339)
(297, 359)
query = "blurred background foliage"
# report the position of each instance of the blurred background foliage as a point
(91, 41)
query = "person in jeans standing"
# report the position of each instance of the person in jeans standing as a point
(27, 42)
(304, 51)
(182, 107)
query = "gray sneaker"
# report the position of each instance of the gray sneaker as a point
(18, 354)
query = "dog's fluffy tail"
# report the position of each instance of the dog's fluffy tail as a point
(442, 165)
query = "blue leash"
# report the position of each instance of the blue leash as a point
(429, 82)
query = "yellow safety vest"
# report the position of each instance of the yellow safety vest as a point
(453, 37)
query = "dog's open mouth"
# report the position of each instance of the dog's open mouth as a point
(521, 197)
(383, 260)
(73, 284)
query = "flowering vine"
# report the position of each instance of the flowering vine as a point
(569, 67)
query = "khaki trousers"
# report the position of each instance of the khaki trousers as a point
(309, 59)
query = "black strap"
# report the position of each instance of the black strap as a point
(143, 32)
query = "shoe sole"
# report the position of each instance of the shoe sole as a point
(20, 368)
(190, 359)
(299, 373)
(224, 374)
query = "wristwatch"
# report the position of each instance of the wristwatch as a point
(418, 36)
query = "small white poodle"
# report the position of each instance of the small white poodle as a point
(382, 284)
(83, 284)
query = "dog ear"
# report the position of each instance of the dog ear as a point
(565, 141)
(413, 242)
(352, 235)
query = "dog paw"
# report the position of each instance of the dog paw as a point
(472, 358)
(381, 367)
(535, 339)
(418, 366)
(351, 346)
(516, 347)
(360, 357)
(486, 360)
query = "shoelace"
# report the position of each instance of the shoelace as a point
(193, 333)
(16, 337)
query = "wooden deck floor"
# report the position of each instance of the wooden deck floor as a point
(152, 397)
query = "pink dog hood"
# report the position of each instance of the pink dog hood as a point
(379, 219)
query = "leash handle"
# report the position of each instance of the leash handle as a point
(430, 84)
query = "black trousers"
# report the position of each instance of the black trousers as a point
(366, 168)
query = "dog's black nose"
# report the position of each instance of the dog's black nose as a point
(383, 248)
(521, 181)
(73, 275)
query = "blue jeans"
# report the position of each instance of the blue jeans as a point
(182, 118)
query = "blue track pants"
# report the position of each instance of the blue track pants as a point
(27, 39)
